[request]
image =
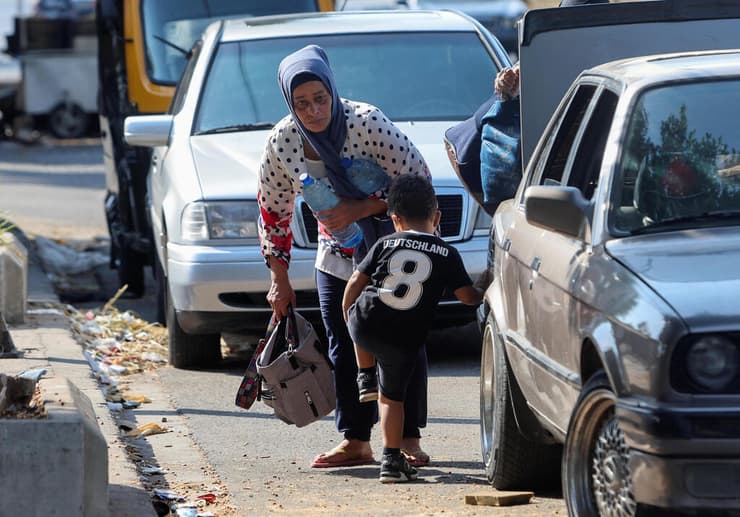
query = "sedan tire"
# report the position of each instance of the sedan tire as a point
(596, 476)
(190, 350)
(511, 460)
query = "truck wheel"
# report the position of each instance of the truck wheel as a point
(131, 271)
(190, 350)
(511, 460)
(68, 120)
(596, 476)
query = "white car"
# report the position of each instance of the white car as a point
(425, 70)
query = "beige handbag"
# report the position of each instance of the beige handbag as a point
(297, 378)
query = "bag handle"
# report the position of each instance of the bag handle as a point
(291, 329)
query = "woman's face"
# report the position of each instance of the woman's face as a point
(312, 105)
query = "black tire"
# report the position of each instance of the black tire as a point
(160, 287)
(510, 459)
(596, 476)
(68, 120)
(131, 271)
(190, 350)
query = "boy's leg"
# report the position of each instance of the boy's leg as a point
(364, 358)
(367, 377)
(415, 411)
(391, 422)
(393, 369)
(394, 468)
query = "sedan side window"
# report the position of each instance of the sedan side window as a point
(584, 174)
(561, 147)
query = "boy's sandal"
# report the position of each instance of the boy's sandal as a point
(417, 458)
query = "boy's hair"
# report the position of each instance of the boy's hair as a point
(412, 197)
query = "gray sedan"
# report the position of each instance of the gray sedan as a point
(613, 324)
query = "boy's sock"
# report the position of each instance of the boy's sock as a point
(367, 384)
(391, 451)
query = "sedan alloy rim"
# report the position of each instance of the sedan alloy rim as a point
(612, 482)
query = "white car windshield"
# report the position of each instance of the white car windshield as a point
(410, 76)
(680, 165)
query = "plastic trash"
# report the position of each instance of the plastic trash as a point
(115, 406)
(366, 175)
(319, 197)
(63, 260)
(147, 430)
(208, 498)
(34, 374)
(166, 494)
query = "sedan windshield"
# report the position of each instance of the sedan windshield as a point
(171, 27)
(410, 76)
(680, 166)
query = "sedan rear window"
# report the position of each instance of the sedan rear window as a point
(410, 76)
(680, 165)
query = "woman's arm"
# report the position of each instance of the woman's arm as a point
(281, 293)
(276, 199)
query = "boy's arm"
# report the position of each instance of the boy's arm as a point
(469, 295)
(355, 285)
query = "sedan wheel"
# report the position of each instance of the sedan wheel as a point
(596, 475)
(510, 459)
(190, 350)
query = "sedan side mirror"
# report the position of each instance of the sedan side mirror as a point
(147, 130)
(560, 209)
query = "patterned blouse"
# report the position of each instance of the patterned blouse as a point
(370, 135)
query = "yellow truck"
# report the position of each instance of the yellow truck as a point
(143, 48)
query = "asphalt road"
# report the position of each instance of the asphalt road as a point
(57, 191)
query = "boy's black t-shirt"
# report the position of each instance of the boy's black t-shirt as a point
(408, 272)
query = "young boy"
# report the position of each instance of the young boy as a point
(389, 304)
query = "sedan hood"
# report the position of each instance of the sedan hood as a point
(695, 271)
(228, 164)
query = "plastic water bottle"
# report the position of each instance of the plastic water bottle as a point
(366, 175)
(319, 197)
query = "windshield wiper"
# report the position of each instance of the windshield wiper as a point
(715, 215)
(184, 52)
(237, 127)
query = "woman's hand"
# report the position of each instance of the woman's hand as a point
(281, 293)
(348, 211)
(506, 83)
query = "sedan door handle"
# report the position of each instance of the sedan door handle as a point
(507, 244)
(536, 263)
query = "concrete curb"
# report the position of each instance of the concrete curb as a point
(62, 459)
(13, 278)
(112, 484)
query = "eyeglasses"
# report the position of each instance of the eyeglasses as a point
(304, 105)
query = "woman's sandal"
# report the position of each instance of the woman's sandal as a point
(339, 457)
(417, 458)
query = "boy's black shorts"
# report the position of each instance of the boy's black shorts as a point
(396, 359)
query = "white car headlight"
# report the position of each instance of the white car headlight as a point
(712, 362)
(220, 220)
